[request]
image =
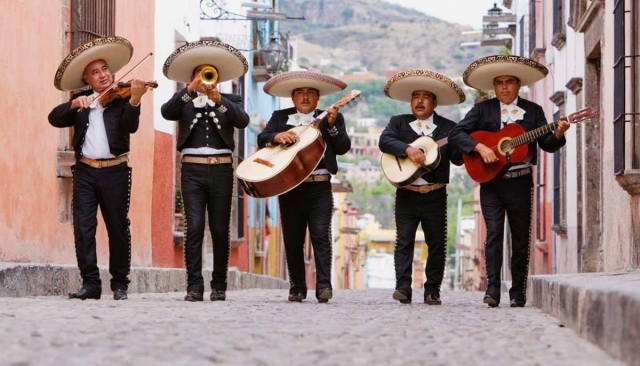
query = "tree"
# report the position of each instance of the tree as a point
(347, 14)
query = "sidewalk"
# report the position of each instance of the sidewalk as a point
(28, 279)
(604, 308)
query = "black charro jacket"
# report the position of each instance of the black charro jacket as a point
(230, 114)
(398, 134)
(120, 120)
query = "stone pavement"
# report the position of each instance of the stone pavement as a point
(259, 327)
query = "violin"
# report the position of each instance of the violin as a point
(120, 91)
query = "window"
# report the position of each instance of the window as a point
(559, 36)
(237, 220)
(92, 19)
(532, 26)
(625, 103)
(523, 45)
(541, 212)
(559, 188)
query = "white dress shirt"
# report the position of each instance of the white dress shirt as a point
(510, 113)
(96, 143)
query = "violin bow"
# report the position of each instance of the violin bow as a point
(120, 78)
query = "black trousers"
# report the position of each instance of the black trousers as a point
(514, 197)
(429, 210)
(207, 189)
(308, 205)
(110, 189)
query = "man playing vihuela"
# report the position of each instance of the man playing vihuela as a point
(424, 201)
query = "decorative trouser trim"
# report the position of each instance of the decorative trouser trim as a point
(429, 210)
(308, 206)
(110, 189)
(207, 192)
(513, 197)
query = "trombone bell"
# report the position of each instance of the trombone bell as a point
(209, 75)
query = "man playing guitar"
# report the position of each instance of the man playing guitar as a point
(513, 192)
(425, 200)
(310, 204)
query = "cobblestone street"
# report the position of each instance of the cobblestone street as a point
(259, 327)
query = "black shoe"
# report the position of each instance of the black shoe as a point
(324, 295)
(218, 295)
(491, 301)
(296, 297)
(86, 293)
(517, 303)
(193, 296)
(403, 296)
(432, 299)
(120, 294)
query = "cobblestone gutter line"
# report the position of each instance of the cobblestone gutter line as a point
(604, 308)
(19, 280)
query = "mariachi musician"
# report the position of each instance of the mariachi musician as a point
(513, 192)
(101, 175)
(424, 201)
(207, 120)
(310, 204)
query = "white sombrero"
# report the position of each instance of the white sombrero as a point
(227, 59)
(402, 85)
(115, 51)
(283, 84)
(480, 73)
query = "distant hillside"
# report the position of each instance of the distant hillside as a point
(376, 35)
(344, 37)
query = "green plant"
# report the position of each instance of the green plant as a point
(179, 203)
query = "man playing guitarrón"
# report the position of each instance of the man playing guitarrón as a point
(511, 194)
(425, 200)
(310, 204)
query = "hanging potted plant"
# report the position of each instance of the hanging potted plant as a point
(179, 210)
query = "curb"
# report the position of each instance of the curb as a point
(24, 279)
(604, 308)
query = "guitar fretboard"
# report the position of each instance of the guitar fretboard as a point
(534, 134)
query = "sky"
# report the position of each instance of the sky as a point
(467, 12)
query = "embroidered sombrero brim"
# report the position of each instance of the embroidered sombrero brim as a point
(480, 73)
(402, 85)
(229, 62)
(115, 51)
(283, 84)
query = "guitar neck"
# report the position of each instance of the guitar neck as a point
(319, 119)
(530, 136)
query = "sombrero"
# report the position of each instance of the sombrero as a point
(115, 51)
(227, 59)
(480, 73)
(283, 84)
(402, 85)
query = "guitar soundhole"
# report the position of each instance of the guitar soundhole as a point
(505, 146)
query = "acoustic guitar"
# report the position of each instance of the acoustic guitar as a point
(272, 171)
(511, 146)
(401, 172)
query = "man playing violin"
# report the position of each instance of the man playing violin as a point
(310, 204)
(424, 201)
(511, 194)
(101, 175)
(207, 120)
